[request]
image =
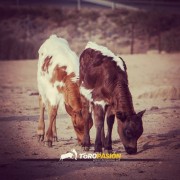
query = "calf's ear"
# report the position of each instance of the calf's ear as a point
(121, 115)
(140, 114)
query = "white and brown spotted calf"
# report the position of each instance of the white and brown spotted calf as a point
(58, 72)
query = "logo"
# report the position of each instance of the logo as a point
(94, 156)
(99, 156)
(69, 155)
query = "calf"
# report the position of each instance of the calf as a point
(58, 73)
(104, 86)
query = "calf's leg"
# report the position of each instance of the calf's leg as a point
(108, 139)
(103, 137)
(54, 130)
(52, 112)
(87, 120)
(99, 124)
(86, 138)
(41, 124)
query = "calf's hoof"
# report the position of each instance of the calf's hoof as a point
(48, 143)
(98, 149)
(55, 139)
(79, 143)
(86, 148)
(40, 138)
(108, 151)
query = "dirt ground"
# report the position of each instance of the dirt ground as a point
(154, 82)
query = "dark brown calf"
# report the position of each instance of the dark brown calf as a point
(104, 86)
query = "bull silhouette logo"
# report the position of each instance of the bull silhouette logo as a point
(70, 155)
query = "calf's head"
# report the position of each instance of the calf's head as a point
(78, 122)
(130, 128)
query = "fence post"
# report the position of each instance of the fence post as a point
(79, 5)
(132, 38)
(17, 3)
(152, 3)
(113, 5)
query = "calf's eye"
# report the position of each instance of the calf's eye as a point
(129, 133)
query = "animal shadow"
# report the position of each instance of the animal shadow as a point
(169, 140)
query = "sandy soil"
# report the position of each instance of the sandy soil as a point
(155, 85)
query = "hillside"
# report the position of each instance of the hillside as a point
(24, 29)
